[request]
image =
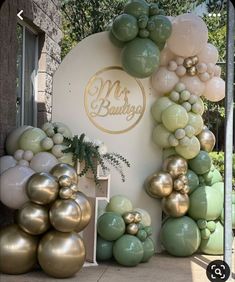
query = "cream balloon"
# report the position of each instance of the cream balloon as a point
(166, 56)
(190, 150)
(215, 89)
(193, 84)
(209, 54)
(189, 35)
(163, 80)
(43, 162)
(6, 162)
(196, 122)
(31, 140)
(13, 186)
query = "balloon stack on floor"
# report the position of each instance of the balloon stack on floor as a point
(124, 233)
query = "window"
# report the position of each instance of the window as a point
(27, 64)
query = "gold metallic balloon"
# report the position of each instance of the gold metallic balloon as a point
(177, 166)
(132, 228)
(18, 250)
(188, 63)
(66, 193)
(185, 190)
(128, 217)
(195, 60)
(65, 181)
(176, 204)
(161, 185)
(207, 140)
(166, 162)
(74, 187)
(183, 178)
(65, 169)
(137, 217)
(33, 218)
(192, 71)
(65, 215)
(42, 188)
(178, 184)
(61, 254)
(86, 210)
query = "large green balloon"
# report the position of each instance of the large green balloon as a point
(128, 250)
(115, 41)
(149, 249)
(104, 249)
(201, 163)
(190, 149)
(31, 140)
(196, 122)
(162, 30)
(180, 236)
(174, 117)
(110, 226)
(136, 8)
(212, 177)
(205, 203)
(233, 216)
(140, 57)
(125, 27)
(219, 187)
(119, 204)
(161, 136)
(193, 180)
(159, 106)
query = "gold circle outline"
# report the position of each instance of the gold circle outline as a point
(86, 103)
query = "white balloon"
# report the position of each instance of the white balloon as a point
(13, 186)
(43, 162)
(189, 35)
(18, 155)
(166, 56)
(146, 219)
(7, 162)
(193, 84)
(215, 89)
(209, 54)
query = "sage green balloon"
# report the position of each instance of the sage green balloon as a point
(233, 196)
(31, 140)
(180, 236)
(161, 136)
(163, 29)
(233, 216)
(159, 106)
(196, 122)
(119, 204)
(219, 187)
(149, 249)
(190, 150)
(136, 8)
(110, 226)
(140, 57)
(201, 164)
(115, 41)
(193, 181)
(205, 203)
(125, 27)
(212, 177)
(104, 249)
(174, 117)
(128, 250)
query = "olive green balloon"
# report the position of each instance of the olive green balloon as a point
(31, 140)
(174, 117)
(149, 249)
(142, 235)
(163, 29)
(110, 226)
(219, 187)
(212, 177)
(115, 41)
(140, 57)
(159, 106)
(196, 122)
(161, 136)
(180, 236)
(136, 8)
(125, 27)
(104, 249)
(128, 250)
(205, 203)
(193, 180)
(201, 163)
(190, 150)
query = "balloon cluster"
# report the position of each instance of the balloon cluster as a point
(124, 233)
(141, 30)
(55, 202)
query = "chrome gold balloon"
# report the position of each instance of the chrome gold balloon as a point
(65, 169)
(18, 250)
(132, 228)
(188, 63)
(192, 71)
(176, 204)
(42, 188)
(74, 187)
(195, 60)
(178, 184)
(65, 215)
(66, 193)
(207, 140)
(128, 217)
(33, 218)
(65, 181)
(183, 178)
(160, 185)
(177, 166)
(166, 162)
(185, 190)
(61, 254)
(137, 217)
(86, 210)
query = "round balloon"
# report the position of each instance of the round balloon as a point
(125, 27)
(161, 136)
(119, 204)
(160, 185)
(65, 169)
(31, 140)
(219, 187)
(136, 8)
(193, 84)
(43, 162)
(104, 249)
(162, 30)
(149, 249)
(7, 162)
(115, 41)
(145, 216)
(207, 140)
(63, 128)
(215, 89)
(212, 177)
(159, 106)
(201, 163)
(67, 158)
(174, 117)
(209, 54)
(166, 56)
(176, 204)
(193, 181)
(190, 149)
(196, 122)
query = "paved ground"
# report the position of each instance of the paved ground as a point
(161, 268)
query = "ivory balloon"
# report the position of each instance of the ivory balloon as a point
(207, 140)
(65, 169)
(161, 185)
(33, 218)
(6, 162)
(43, 162)
(215, 89)
(176, 204)
(42, 188)
(18, 250)
(63, 128)
(177, 166)
(193, 84)
(13, 186)
(209, 54)
(61, 254)
(189, 35)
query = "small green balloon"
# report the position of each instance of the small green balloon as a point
(205, 233)
(212, 177)
(111, 226)
(119, 204)
(201, 223)
(142, 235)
(115, 41)
(140, 57)
(149, 249)
(31, 140)
(211, 225)
(128, 250)
(161, 136)
(136, 8)
(190, 149)
(143, 21)
(159, 106)
(125, 27)
(201, 164)
(153, 9)
(149, 230)
(163, 29)
(143, 33)
(174, 117)
(196, 122)
(104, 249)
(193, 180)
